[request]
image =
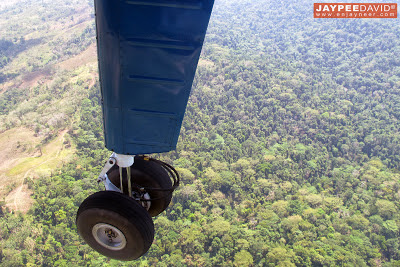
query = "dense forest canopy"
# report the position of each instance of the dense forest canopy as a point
(289, 150)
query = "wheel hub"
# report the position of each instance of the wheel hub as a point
(109, 236)
(143, 198)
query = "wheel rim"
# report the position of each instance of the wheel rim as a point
(109, 236)
(146, 204)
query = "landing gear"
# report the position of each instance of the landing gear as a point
(117, 222)
(147, 177)
(115, 225)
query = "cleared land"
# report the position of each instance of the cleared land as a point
(40, 67)
(24, 157)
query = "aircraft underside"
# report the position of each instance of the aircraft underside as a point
(148, 53)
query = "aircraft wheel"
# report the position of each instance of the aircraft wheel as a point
(115, 225)
(150, 175)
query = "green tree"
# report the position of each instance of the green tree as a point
(243, 258)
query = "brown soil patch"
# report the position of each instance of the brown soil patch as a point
(14, 144)
(19, 199)
(35, 78)
(21, 159)
(80, 20)
(87, 56)
(28, 80)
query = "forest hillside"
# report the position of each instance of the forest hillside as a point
(289, 150)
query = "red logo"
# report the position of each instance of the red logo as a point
(355, 10)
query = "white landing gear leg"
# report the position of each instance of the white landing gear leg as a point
(123, 161)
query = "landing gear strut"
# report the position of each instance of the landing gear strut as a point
(117, 222)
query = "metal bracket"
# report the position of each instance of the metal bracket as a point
(110, 186)
(109, 164)
(123, 161)
(103, 174)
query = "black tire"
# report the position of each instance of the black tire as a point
(147, 173)
(120, 212)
